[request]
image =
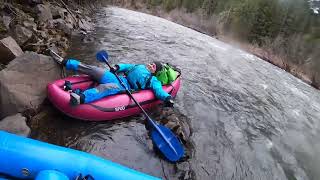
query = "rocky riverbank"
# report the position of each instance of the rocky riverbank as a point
(27, 30)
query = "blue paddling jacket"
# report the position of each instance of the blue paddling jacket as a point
(139, 77)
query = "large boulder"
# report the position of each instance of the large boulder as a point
(15, 124)
(23, 83)
(22, 34)
(9, 49)
(44, 12)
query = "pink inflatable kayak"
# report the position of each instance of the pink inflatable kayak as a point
(108, 108)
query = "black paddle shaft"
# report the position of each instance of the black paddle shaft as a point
(155, 125)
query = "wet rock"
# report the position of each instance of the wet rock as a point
(184, 166)
(44, 12)
(85, 25)
(172, 124)
(23, 83)
(9, 49)
(177, 122)
(22, 34)
(15, 124)
(88, 39)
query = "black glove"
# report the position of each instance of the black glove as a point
(67, 86)
(168, 102)
(114, 69)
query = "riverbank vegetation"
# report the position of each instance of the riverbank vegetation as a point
(285, 33)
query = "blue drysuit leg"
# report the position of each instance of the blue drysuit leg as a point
(94, 72)
(101, 91)
(109, 86)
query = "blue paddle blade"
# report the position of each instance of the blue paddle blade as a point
(173, 150)
(102, 56)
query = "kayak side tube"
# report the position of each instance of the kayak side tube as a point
(25, 158)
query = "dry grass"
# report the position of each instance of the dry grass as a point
(300, 71)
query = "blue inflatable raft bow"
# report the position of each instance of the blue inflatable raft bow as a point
(31, 159)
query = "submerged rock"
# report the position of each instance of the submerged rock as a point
(87, 39)
(9, 49)
(177, 122)
(23, 83)
(85, 25)
(15, 124)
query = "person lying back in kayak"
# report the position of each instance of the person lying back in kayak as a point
(137, 77)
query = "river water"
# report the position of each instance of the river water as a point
(248, 118)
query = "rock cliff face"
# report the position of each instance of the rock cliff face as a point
(33, 25)
(36, 26)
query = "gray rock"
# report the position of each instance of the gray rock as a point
(31, 19)
(58, 12)
(184, 166)
(70, 20)
(85, 25)
(34, 2)
(23, 83)
(21, 34)
(30, 25)
(88, 39)
(51, 24)
(61, 13)
(44, 12)
(88, 19)
(15, 124)
(42, 34)
(9, 49)
(6, 21)
(65, 27)
(61, 24)
(63, 43)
